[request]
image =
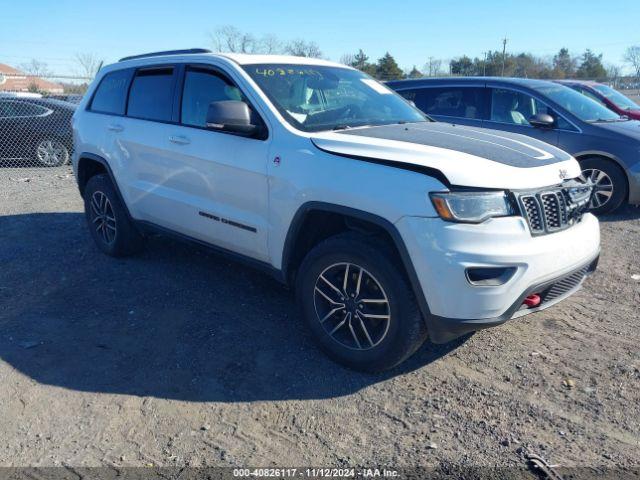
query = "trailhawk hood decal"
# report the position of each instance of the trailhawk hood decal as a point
(466, 156)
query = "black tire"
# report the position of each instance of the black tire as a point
(614, 183)
(386, 345)
(108, 221)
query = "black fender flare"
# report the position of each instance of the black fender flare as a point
(97, 158)
(383, 223)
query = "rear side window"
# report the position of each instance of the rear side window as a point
(151, 95)
(19, 109)
(28, 109)
(461, 102)
(111, 95)
(417, 96)
(201, 87)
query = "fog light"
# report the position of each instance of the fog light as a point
(489, 276)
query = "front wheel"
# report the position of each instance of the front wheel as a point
(358, 303)
(610, 184)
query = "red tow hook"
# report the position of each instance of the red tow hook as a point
(532, 300)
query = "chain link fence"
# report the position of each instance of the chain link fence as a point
(35, 124)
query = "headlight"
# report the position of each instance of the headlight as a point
(471, 207)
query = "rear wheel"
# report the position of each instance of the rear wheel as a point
(358, 304)
(109, 224)
(609, 181)
(51, 152)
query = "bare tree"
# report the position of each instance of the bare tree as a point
(348, 59)
(36, 68)
(269, 44)
(229, 39)
(613, 74)
(302, 48)
(88, 64)
(632, 57)
(433, 67)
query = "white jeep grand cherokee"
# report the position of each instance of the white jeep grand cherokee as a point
(390, 226)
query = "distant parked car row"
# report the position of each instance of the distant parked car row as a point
(36, 129)
(583, 118)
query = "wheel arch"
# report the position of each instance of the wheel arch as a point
(89, 165)
(296, 244)
(581, 156)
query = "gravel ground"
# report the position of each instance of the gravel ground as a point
(180, 357)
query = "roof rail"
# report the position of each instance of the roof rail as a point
(166, 52)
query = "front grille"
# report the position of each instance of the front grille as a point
(552, 210)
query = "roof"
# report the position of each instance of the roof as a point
(577, 82)
(14, 80)
(525, 82)
(249, 59)
(239, 58)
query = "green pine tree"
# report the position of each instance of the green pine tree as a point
(388, 69)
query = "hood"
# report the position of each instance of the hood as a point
(628, 128)
(466, 156)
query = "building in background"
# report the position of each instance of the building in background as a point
(14, 80)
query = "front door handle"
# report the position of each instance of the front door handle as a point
(179, 139)
(115, 127)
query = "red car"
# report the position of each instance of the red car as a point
(607, 96)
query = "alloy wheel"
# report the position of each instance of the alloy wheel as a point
(352, 306)
(602, 184)
(103, 218)
(52, 153)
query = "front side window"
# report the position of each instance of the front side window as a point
(509, 106)
(314, 98)
(151, 95)
(111, 94)
(574, 102)
(461, 102)
(201, 87)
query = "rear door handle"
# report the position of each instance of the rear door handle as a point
(179, 139)
(115, 128)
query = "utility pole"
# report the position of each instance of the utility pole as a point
(504, 53)
(484, 65)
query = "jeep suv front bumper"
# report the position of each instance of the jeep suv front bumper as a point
(553, 266)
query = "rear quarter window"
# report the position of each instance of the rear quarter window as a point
(111, 94)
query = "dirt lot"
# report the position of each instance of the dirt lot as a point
(179, 357)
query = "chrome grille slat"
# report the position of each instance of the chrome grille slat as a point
(551, 210)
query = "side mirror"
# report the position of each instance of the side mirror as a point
(542, 120)
(230, 116)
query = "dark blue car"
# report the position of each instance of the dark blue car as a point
(606, 144)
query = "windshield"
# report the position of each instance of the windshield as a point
(576, 103)
(314, 98)
(618, 99)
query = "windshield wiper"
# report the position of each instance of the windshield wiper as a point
(607, 120)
